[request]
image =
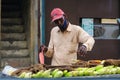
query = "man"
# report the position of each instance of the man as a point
(65, 39)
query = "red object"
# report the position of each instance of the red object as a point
(41, 56)
(56, 13)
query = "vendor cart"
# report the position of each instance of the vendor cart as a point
(78, 64)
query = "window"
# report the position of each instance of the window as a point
(105, 28)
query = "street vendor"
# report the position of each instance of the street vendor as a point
(65, 39)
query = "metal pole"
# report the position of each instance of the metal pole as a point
(42, 21)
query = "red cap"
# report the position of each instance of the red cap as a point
(56, 13)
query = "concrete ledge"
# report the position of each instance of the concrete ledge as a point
(13, 45)
(17, 21)
(13, 28)
(14, 53)
(16, 62)
(13, 36)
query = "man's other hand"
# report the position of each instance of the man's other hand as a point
(82, 50)
(44, 48)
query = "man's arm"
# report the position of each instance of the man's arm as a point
(86, 39)
(87, 42)
(50, 50)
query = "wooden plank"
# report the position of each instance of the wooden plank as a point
(0, 30)
(0, 20)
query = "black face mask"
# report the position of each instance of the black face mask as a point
(64, 26)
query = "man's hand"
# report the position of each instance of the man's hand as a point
(44, 48)
(82, 50)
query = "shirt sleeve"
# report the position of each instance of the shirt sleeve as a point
(86, 39)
